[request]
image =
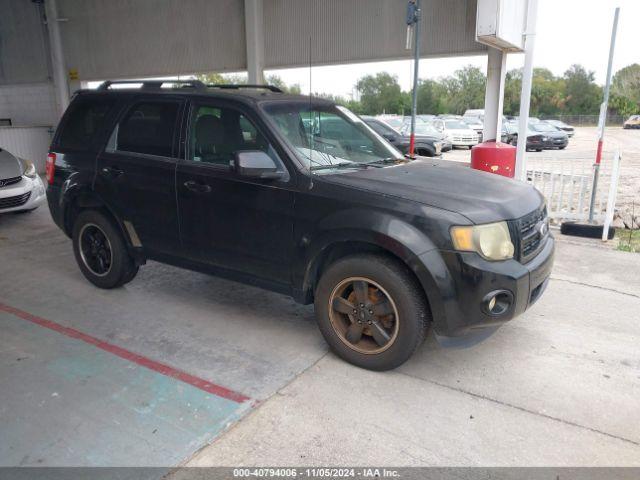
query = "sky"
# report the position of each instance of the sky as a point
(569, 31)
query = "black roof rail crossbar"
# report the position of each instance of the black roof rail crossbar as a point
(272, 88)
(153, 84)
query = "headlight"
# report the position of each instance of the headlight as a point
(545, 139)
(29, 170)
(492, 241)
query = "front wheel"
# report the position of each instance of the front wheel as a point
(371, 311)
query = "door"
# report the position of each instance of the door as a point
(226, 221)
(136, 172)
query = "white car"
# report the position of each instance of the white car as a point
(21, 189)
(457, 132)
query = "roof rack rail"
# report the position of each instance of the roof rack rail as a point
(154, 84)
(231, 86)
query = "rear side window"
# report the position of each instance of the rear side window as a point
(148, 128)
(85, 118)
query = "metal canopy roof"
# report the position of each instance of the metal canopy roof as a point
(126, 38)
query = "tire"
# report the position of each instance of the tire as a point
(119, 267)
(387, 279)
(585, 230)
(562, 148)
(538, 149)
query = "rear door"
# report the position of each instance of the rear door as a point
(239, 224)
(136, 171)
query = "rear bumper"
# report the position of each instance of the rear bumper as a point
(464, 281)
(12, 197)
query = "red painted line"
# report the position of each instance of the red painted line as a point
(161, 368)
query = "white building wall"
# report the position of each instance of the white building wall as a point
(30, 104)
(30, 143)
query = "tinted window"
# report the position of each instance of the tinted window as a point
(85, 118)
(148, 127)
(217, 133)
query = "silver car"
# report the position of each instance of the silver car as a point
(21, 189)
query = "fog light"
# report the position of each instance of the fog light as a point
(497, 302)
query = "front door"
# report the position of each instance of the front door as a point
(243, 225)
(136, 172)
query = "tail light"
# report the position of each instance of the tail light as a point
(50, 167)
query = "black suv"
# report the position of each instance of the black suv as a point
(299, 196)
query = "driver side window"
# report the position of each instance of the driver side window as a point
(217, 133)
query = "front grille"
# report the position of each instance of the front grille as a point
(527, 235)
(464, 139)
(11, 202)
(5, 182)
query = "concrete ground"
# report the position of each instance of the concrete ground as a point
(557, 386)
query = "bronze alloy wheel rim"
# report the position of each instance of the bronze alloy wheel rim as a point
(95, 250)
(363, 315)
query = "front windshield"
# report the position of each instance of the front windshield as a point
(543, 127)
(455, 125)
(327, 136)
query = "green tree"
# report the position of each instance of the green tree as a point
(464, 90)
(512, 90)
(626, 83)
(277, 81)
(623, 105)
(381, 93)
(431, 97)
(583, 96)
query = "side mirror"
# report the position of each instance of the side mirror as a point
(256, 164)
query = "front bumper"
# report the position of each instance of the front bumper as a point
(12, 197)
(464, 279)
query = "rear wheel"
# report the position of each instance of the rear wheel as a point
(101, 252)
(371, 311)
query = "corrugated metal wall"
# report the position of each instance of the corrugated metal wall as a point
(30, 143)
(23, 55)
(135, 38)
(342, 31)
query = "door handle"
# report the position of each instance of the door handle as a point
(197, 187)
(112, 171)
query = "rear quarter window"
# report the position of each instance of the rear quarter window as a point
(84, 120)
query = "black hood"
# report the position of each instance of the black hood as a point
(10, 166)
(480, 196)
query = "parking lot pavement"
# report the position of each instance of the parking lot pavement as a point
(85, 383)
(558, 386)
(239, 338)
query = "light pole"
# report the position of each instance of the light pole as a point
(413, 21)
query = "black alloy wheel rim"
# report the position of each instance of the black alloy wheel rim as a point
(363, 315)
(95, 250)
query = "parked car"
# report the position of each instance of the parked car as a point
(552, 137)
(534, 139)
(231, 181)
(457, 132)
(632, 122)
(428, 130)
(476, 124)
(568, 129)
(425, 145)
(508, 133)
(478, 112)
(21, 189)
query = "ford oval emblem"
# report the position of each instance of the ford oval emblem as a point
(542, 228)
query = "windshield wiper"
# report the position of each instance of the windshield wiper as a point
(342, 165)
(386, 161)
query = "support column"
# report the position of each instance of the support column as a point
(525, 94)
(254, 32)
(57, 57)
(494, 95)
